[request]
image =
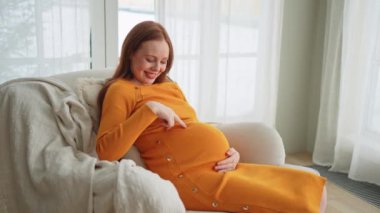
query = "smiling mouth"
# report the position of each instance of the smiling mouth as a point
(151, 75)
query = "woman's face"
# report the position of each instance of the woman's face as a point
(149, 61)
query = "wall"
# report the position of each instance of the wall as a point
(300, 73)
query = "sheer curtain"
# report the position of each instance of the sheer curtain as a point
(43, 37)
(348, 136)
(226, 56)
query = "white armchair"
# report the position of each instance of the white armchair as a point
(256, 142)
(47, 134)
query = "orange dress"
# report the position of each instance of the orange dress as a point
(186, 157)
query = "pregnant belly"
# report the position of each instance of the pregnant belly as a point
(199, 144)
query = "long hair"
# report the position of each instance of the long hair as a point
(142, 32)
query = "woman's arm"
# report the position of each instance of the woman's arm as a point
(121, 124)
(119, 127)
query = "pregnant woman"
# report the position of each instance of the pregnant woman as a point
(141, 106)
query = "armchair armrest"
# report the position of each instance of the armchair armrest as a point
(256, 142)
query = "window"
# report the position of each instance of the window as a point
(131, 12)
(226, 56)
(238, 60)
(39, 38)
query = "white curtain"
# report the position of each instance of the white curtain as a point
(43, 37)
(348, 136)
(226, 56)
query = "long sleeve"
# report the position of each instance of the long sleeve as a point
(121, 124)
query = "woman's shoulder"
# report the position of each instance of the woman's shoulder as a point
(121, 87)
(169, 82)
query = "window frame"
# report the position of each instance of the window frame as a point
(104, 23)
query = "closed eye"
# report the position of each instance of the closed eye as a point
(150, 60)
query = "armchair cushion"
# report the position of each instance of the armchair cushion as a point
(87, 89)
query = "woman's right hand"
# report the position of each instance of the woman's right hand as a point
(165, 113)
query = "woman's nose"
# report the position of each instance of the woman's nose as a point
(156, 66)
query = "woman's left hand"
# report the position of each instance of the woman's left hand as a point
(229, 163)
